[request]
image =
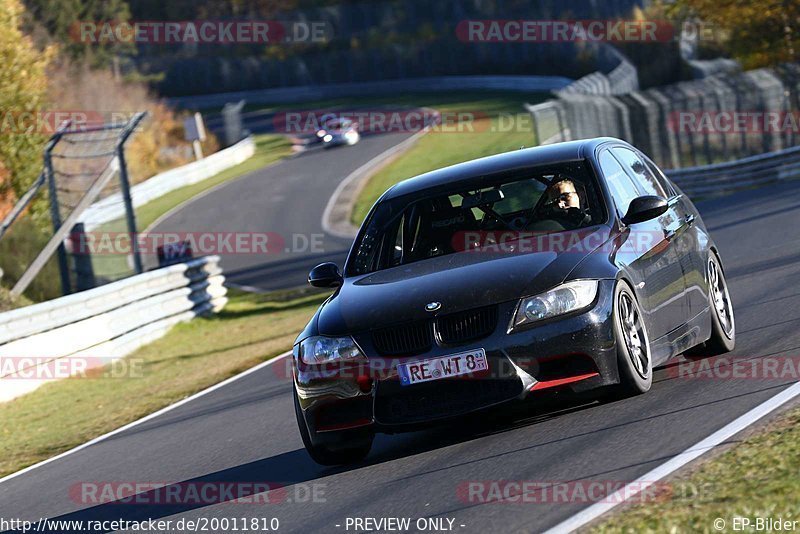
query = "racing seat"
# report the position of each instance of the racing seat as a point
(441, 228)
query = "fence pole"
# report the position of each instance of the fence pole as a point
(536, 131)
(84, 271)
(561, 123)
(232, 122)
(55, 215)
(130, 215)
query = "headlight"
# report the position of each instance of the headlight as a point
(328, 138)
(321, 133)
(320, 349)
(565, 298)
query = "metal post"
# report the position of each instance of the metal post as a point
(55, 215)
(130, 215)
(706, 134)
(562, 127)
(198, 150)
(232, 118)
(84, 272)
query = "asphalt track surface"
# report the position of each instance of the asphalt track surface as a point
(245, 431)
(285, 201)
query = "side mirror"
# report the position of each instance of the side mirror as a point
(325, 275)
(645, 208)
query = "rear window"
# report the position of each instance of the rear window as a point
(429, 224)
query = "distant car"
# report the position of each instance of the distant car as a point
(574, 266)
(338, 132)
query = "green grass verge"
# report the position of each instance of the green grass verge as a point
(506, 126)
(192, 356)
(756, 478)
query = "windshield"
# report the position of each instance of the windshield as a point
(537, 200)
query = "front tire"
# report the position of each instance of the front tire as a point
(352, 446)
(633, 347)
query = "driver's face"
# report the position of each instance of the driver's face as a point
(566, 196)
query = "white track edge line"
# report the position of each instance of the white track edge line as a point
(148, 417)
(594, 511)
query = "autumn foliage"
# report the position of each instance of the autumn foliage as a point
(23, 88)
(759, 33)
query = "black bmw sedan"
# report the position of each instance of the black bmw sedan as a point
(576, 266)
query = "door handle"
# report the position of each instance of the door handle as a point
(670, 234)
(690, 219)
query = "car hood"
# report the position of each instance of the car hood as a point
(458, 281)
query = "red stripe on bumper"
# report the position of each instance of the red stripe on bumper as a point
(561, 381)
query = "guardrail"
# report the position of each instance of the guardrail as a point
(111, 207)
(305, 93)
(620, 80)
(692, 123)
(740, 174)
(104, 324)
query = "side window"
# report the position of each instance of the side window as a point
(622, 188)
(662, 179)
(396, 257)
(644, 177)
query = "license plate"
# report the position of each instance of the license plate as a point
(462, 363)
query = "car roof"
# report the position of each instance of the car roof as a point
(507, 161)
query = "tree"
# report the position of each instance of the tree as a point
(61, 19)
(23, 87)
(200, 9)
(758, 33)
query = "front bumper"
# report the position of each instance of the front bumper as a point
(575, 351)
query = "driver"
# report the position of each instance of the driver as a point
(563, 204)
(562, 195)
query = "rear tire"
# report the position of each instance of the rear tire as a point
(633, 347)
(353, 445)
(723, 324)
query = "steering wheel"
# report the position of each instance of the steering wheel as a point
(494, 215)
